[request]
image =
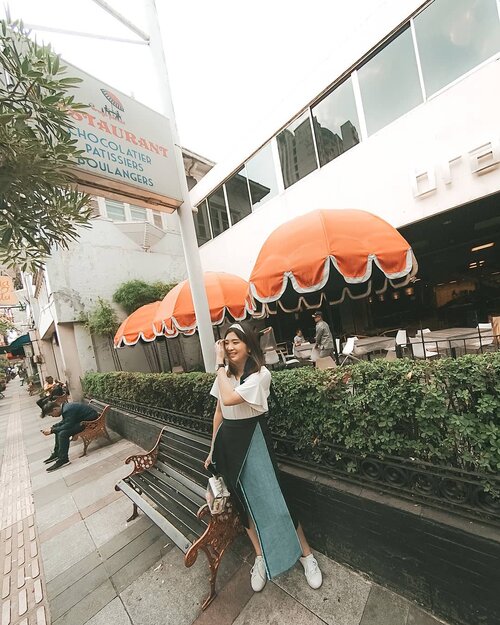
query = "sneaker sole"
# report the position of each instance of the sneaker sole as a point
(54, 468)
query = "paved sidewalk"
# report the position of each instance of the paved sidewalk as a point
(69, 557)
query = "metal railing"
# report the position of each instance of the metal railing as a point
(471, 494)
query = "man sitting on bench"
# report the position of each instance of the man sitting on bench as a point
(72, 414)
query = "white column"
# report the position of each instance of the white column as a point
(188, 233)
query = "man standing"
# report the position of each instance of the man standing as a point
(323, 339)
(72, 414)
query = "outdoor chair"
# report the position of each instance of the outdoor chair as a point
(401, 342)
(271, 358)
(419, 333)
(419, 351)
(348, 349)
(401, 338)
(289, 361)
(478, 344)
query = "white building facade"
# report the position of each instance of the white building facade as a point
(403, 121)
(125, 243)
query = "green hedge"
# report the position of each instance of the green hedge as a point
(446, 411)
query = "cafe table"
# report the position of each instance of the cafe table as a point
(303, 351)
(450, 339)
(369, 344)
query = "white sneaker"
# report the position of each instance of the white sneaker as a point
(312, 572)
(258, 574)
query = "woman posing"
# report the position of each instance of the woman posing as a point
(242, 453)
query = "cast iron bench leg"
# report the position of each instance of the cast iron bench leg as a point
(135, 513)
(220, 533)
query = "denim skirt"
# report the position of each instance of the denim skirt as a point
(243, 454)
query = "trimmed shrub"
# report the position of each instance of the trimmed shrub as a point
(188, 392)
(133, 294)
(445, 412)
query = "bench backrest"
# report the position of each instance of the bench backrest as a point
(185, 452)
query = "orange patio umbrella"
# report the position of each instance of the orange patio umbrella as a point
(326, 254)
(227, 295)
(137, 326)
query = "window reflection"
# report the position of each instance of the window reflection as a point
(296, 150)
(453, 36)
(262, 176)
(389, 83)
(115, 210)
(217, 211)
(157, 220)
(201, 224)
(336, 124)
(238, 197)
(138, 214)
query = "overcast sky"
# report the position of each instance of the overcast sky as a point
(229, 62)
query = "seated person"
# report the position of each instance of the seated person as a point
(72, 413)
(298, 340)
(47, 390)
(59, 394)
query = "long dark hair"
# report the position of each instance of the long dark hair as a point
(255, 358)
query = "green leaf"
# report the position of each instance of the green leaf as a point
(36, 149)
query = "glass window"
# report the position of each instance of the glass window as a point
(202, 224)
(389, 83)
(296, 150)
(335, 122)
(115, 210)
(237, 196)
(138, 214)
(453, 36)
(157, 220)
(217, 211)
(262, 176)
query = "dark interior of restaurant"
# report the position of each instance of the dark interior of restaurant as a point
(457, 284)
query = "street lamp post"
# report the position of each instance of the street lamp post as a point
(185, 212)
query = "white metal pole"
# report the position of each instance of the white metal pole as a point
(185, 212)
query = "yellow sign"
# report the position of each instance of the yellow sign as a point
(8, 296)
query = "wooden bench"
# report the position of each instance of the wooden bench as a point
(92, 430)
(168, 484)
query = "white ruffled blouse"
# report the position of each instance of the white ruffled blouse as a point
(254, 390)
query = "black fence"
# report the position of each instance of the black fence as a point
(470, 494)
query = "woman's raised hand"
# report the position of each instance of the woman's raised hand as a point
(220, 351)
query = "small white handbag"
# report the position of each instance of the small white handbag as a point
(216, 495)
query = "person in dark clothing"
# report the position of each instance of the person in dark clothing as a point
(48, 387)
(58, 394)
(72, 413)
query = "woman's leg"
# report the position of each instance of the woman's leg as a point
(254, 539)
(258, 576)
(306, 550)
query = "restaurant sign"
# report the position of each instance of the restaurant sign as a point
(128, 148)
